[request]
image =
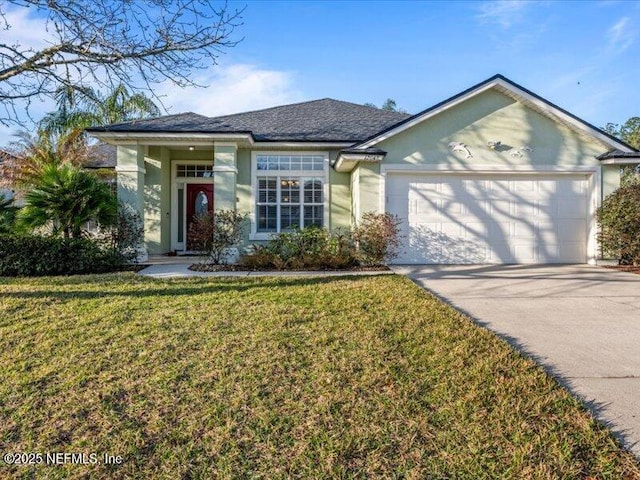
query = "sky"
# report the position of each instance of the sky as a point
(583, 56)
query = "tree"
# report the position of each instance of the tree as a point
(65, 198)
(619, 222)
(7, 214)
(628, 132)
(80, 109)
(110, 42)
(31, 154)
(388, 105)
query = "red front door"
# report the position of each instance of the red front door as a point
(199, 200)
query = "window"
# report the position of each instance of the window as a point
(194, 171)
(289, 192)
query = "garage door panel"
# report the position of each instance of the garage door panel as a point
(480, 219)
(569, 208)
(570, 231)
(428, 243)
(524, 252)
(523, 229)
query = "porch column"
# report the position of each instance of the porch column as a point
(224, 176)
(130, 180)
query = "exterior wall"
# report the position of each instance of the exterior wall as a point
(232, 187)
(366, 186)
(339, 197)
(610, 179)
(243, 187)
(157, 194)
(224, 175)
(355, 195)
(490, 116)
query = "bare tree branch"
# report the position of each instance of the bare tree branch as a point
(105, 43)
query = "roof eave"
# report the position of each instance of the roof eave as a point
(347, 161)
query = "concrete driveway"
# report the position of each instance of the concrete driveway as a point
(581, 322)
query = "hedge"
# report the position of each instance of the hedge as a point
(32, 255)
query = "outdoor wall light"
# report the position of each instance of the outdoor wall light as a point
(191, 148)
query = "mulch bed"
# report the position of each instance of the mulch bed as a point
(207, 267)
(625, 268)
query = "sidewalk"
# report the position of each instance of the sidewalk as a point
(180, 269)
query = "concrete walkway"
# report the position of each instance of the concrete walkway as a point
(580, 322)
(177, 269)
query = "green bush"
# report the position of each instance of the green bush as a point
(126, 236)
(214, 233)
(7, 214)
(31, 255)
(377, 238)
(311, 248)
(619, 222)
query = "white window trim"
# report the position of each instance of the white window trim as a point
(176, 183)
(324, 173)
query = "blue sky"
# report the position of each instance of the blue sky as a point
(583, 56)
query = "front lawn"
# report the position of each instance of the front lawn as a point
(276, 378)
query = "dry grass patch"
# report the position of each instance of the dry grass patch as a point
(355, 377)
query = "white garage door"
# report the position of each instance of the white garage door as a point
(449, 219)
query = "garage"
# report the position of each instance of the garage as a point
(458, 218)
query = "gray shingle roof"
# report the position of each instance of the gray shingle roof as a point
(101, 155)
(619, 154)
(325, 120)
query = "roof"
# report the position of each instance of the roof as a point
(101, 155)
(507, 87)
(618, 154)
(325, 120)
(328, 120)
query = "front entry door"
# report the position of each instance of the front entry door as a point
(199, 201)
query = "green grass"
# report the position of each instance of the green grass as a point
(276, 378)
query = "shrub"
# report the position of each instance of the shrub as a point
(65, 198)
(31, 255)
(214, 233)
(7, 214)
(126, 236)
(311, 248)
(377, 238)
(619, 222)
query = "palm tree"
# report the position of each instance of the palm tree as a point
(33, 153)
(64, 198)
(7, 214)
(80, 109)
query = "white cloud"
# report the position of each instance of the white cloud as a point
(505, 13)
(25, 29)
(231, 89)
(621, 35)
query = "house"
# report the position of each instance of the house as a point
(494, 174)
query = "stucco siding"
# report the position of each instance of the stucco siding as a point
(610, 179)
(491, 116)
(243, 187)
(340, 200)
(368, 188)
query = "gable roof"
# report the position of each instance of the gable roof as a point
(324, 120)
(515, 91)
